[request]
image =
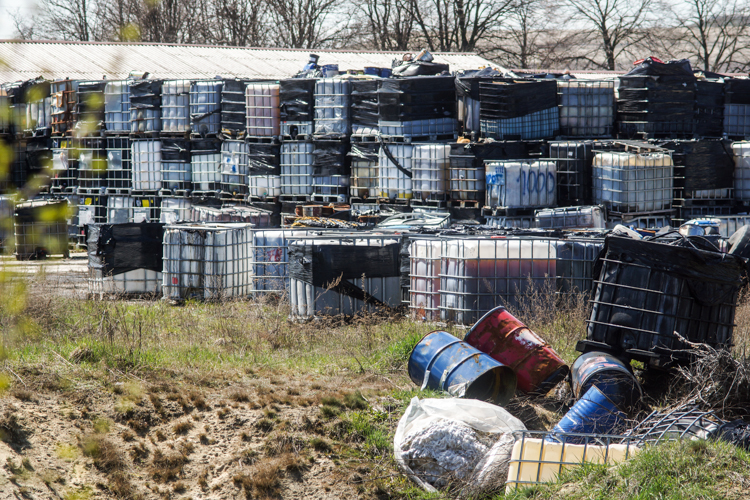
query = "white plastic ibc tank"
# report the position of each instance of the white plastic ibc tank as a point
(570, 218)
(521, 183)
(296, 168)
(205, 107)
(234, 168)
(38, 114)
(392, 180)
(331, 186)
(264, 186)
(175, 106)
(741, 152)
(478, 275)
(332, 103)
(120, 209)
(117, 107)
(146, 165)
(270, 258)
(587, 108)
(728, 225)
(137, 281)
(262, 112)
(206, 170)
(430, 171)
(175, 210)
(633, 182)
(424, 278)
(522, 222)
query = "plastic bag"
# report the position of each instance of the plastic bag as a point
(478, 415)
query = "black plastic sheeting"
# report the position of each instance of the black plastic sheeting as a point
(233, 105)
(679, 69)
(323, 265)
(421, 98)
(467, 82)
(736, 432)
(145, 94)
(509, 98)
(737, 91)
(709, 108)
(90, 105)
(34, 211)
(420, 68)
(330, 158)
(175, 150)
(264, 159)
(365, 102)
(297, 97)
(707, 164)
(206, 146)
(364, 151)
(119, 248)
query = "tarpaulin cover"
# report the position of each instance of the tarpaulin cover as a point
(119, 248)
(264, 159)
(365, 102)
(467, 82)
(206, 146)
(512, 98)
(737, 91)
(175, 150)
(145, 94)
(418, 68)
(233, 104)
(35, 211)
(296, 98)
(416, 98)
(708, 164)
(364, 152)
(648, 67)
(330, 158)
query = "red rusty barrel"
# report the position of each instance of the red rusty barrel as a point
(499, 334)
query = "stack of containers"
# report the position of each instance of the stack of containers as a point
(145, 108)
(63, 106)
(234, 169)
(262, 129)
(587, 108)
(64, 173)
(233, 120)
(737, 108)
(175, 108)
(468, 100)
(657, 100)
(38, 109)
(514, 109)
(205, 108)
(365, 109)
(92, 170)
(117, 129)
(419, 108)
(297, 115)
(146, 148)
(332, 129)
(176, 167)
(206, 167)
(709, 108)
(364, 172)
(205, 129)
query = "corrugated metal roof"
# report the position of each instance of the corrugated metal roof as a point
(21, 60)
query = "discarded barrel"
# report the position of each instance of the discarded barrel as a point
(537, 366)
(441, 361)
(609, 374)
(594, 413)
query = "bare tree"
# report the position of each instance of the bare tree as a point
(240, 22)
(305, 24)
(612, 26)
(69, 20)
(458, 25)
(388, 24)
(715, 33)
(25, 27)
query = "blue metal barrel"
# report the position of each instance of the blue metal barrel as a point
(443, 362)
(607, 373)
(594, 413)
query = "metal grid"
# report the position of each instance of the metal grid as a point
(364, 168)
(146, 164)
(393, 182)
(521, 183)
(89, 114)
(737, 120)
(331, 186)
(92, 209)
(294, 129)
(332, 103)
(683, 422)
(570, 218)
(146, 209)
(117, 107)
(466, 175)
(655, 221)
(38, 116)
(120, 209)
(271, 259)
(234, 168)
(424, 278)
(119, 165)
(728, 225)
(262, 113)
(41, 238)
(136, 282)
(206, 168)
(175, 210)
(575, 264)
(264, 186)
(542, 124)
(297, 168)
(741, 152)
(523, 221)
(6, 224)
(480, 274)
(63, 106)
(430, 170)
(587, 108)
(419, 128)
(175, 106)
(631, 182)
(19, 169)
(233, 109)
(92, 164)
(176, 168)
(574, 160)
(5, 111)
(231, 213)
(205, 107)
(64, 174)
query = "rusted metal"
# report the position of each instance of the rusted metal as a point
(538, 367)
(609, 374)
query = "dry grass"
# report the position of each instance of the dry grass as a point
(166, 467)
(106, 454)
(182, 427)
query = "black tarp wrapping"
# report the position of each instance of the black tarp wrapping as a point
(364, 151)
(707, 164)
(175, 150)
(145, 94)
(38, 155)
(196, 119)
(737, 91)
(467, 82)
(736, 432)
(405, 263)
(321, 265)
(420, 68)
(233, 104)
(709, 108)
(365, 102)
(574, 170)
(297, 98)
(119, 248)
(679, 69)
(264, 159)
(90, 102)
(206, 146)
(501, 99)
(330, 158)
(417, 98)
(34, 211)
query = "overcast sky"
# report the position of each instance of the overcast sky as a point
(9, 6)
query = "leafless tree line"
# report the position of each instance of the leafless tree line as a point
(575, 34)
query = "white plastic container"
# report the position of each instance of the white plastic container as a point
(234, 168)
(424, 278)
(120, 209)
(38, 114)
(264, 186)
(521, 183)
(741, 152)
(521, 221)
(392, 180)
(207, 261)
(296, 168)
(262, 110)
(430, 171)
(205, 165)
(332, 103)
(633, 182)
(364, 176)
(117, 107)
(270, 258)
(175, 106)
(146, 164)
(570, 218)
(136, 282)
(587, 108)
(119, 165)
(231, 213)
(205, 107)
(175, 210)
(331, 188)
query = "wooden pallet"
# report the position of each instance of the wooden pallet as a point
(466, 204)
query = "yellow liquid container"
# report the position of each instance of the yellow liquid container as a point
(536, 460)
